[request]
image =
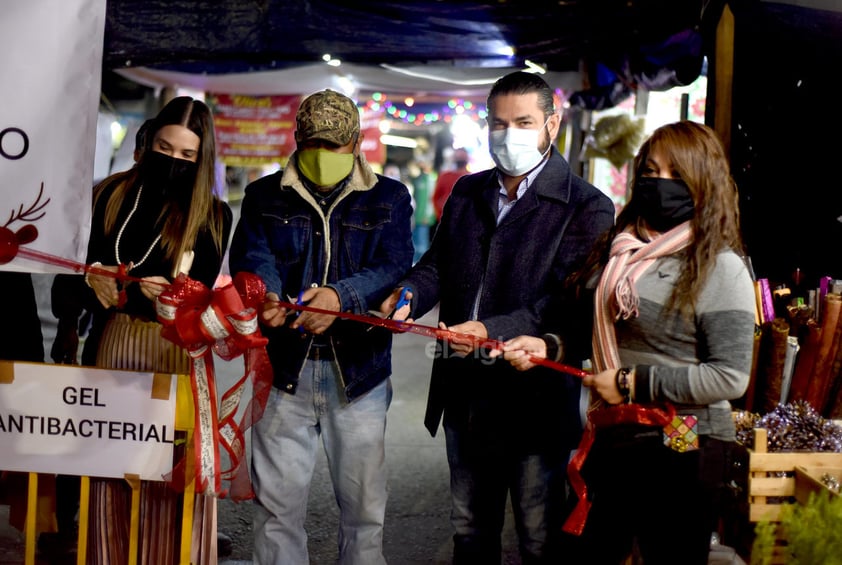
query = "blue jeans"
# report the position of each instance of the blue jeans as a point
(479, 483)
(284, 444)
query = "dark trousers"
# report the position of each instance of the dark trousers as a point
(643, 491)
(482, 479)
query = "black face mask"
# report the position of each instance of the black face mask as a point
(663, 203)
(172, 177)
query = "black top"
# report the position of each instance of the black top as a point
(137, 238)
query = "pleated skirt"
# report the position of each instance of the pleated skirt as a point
(137, 345)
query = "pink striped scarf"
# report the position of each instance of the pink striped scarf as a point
(616, 294)
(616, 298)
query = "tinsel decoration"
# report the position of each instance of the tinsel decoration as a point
(795, 426)
(615, 138)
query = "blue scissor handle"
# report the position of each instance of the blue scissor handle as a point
(299, 302)
(402, 299)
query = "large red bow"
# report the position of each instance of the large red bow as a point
(221, 321)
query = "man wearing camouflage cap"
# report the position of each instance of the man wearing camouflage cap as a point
(328, 232)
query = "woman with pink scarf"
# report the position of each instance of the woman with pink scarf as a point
(673, 329)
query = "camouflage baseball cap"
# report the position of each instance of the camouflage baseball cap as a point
(327, 115)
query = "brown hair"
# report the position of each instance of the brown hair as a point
(696, 155)
(205, 211)
(519, 83)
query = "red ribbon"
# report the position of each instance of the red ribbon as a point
(190, 332)
(601, 418)
(222, 321)
(202, 321)
(75, 266)
(430, 331)
(397, 326)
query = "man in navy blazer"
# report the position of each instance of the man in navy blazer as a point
(508, 238)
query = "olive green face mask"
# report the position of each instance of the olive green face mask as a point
(323, 167)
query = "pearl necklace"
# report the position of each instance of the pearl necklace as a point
(120, 235)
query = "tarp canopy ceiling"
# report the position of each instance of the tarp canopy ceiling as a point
(601, 48)
(463, 45)
(216, 36)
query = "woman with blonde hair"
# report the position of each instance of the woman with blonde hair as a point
(154, 221)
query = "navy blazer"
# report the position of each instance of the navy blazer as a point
(516, 268)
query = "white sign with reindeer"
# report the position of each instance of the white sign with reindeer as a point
(51, 69)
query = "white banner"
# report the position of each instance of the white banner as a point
(84, 421)
(51, 67)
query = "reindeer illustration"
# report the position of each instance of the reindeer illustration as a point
(10, 240)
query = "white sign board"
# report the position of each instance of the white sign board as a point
(51, 68)
(85, 421)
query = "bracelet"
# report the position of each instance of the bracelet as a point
(553, 345)
(622, 380)
(94, 264)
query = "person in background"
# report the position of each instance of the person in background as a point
(424, 216)
(337, 236)
(673, 325)
(21, 340)
(444, 184)
(507, 239)
(158, 219)
(140, 139)
(392, 171)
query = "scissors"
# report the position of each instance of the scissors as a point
(402, 301)
(298, 302)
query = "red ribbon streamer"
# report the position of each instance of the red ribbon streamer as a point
(430, 331)
(191, 299)
(398, 326)
(600, 418)
(204, 321)
(221, 321)
(75, 266)
(188, 330)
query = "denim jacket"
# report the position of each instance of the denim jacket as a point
(360, 246)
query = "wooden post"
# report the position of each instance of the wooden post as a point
(185, 420)
(84, 517)
(724, 78)
(31, 519)
(134, 527)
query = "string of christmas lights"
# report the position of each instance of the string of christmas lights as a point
(412, 112)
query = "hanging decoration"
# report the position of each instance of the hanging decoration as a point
(615, 138)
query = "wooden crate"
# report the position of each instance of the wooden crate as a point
(809, 480)
(772, 475)
(772, 481)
